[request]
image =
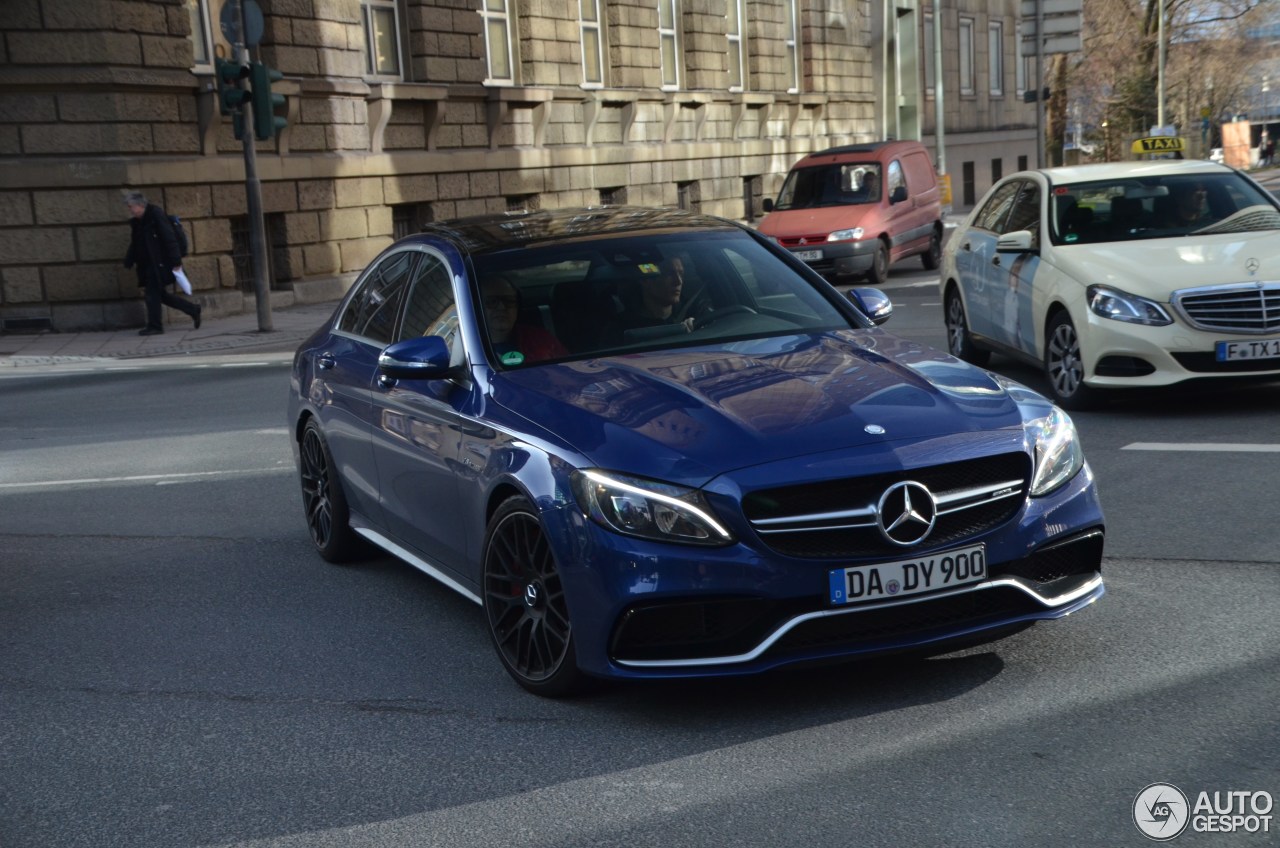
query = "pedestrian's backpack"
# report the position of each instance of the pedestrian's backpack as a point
(179, 234)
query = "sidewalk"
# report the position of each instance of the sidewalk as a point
(237, 334)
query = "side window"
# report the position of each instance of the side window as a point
(996, 209)
(1025, 214)
(895, 177)
(371, 312)
(431, 310)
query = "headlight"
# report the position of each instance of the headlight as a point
(846, 235)
(1058, 455)
(1122, 306)
(648, 509)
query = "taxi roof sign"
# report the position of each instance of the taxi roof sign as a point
(1160, 144)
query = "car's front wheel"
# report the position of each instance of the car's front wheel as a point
(323, 502)
(1064, 366)
(525, 605)
(879, 272)
(959, 342)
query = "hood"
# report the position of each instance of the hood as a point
(792, 223)
(688, 415)
(1155, 268)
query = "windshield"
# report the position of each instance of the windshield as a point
(1167, 206)
(845, 184)
(590, 297)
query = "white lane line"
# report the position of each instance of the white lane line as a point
(1205, 447)
(142, 478)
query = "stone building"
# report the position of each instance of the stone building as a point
(406, 111)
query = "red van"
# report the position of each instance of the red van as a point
(851, 211)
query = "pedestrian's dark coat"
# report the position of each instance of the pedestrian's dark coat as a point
(153, 247)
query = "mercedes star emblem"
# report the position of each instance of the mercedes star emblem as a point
(906, 513)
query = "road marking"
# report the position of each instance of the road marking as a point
(1206, 447)
(143, 478)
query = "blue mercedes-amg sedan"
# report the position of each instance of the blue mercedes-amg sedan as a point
(650, 443)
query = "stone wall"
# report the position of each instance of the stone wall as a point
(98, 97)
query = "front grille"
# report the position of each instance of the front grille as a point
(794, 520)
(1236, 308)
(812, 240)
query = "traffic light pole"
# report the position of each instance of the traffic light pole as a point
(253, 193)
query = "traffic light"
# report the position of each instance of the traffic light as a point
(265, 122)
(230, 91)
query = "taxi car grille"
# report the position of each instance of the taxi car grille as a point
(974, 496)
(1241, 308)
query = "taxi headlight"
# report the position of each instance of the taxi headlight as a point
(648, 509)
(1122, 306)
(846, 235)
(1058, 455)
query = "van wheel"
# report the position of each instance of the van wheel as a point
(879, 265)
(932, 257)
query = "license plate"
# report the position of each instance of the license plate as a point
(1252, 349)
(886, 580)
(809, 255)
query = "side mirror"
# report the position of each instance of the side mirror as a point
(767, 205)
(1018, 241)
(899, 194)
(422, 358)
(873, 303)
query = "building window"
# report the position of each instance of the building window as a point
(670, 48)
(1022, 163)
(927, 51)
(967, 184)
(616, 196)
(242, 252)
(592, 44)
(997, 170)
(410, 218)
(793, 46)
(523, 203)
(752, 193)
(995, 56)
(966, 56)
(735, 19)
(381, 38)
(689, 196)
(201, 33)
(497, 42)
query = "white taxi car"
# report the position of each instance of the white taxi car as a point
(1119, 275)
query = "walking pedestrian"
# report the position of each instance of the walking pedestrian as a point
(153, 248)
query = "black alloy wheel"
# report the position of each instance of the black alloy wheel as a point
(323, 502)
(932, 257)
(959, 342)
(1064, 366)
(525, 605)
(879, 272)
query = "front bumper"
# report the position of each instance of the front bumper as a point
(650, 610)
(1120, 355)
(841, 258)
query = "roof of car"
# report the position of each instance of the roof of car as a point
(1116, 170)
(858, 149)
(486, 233)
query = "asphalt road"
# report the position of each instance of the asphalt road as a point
(178, 669)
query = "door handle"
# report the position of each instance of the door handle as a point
(966, 246)
(996, 261)
(325, 361)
